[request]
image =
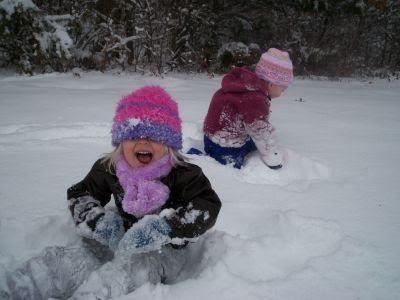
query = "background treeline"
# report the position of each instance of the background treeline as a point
(324, 37)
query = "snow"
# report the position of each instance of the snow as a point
(9, 5)
(61, 34)
(326, 226)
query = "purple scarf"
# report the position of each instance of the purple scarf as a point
(144, 192)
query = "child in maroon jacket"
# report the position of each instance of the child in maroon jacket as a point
(237, 121)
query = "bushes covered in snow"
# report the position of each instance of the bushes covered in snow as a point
(323, 37)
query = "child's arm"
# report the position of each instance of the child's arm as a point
(260, 132)
(86, 199)
(257, 126)
(200, 204)
(197, 208)
(262, 138)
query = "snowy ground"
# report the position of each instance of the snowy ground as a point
(326, 226)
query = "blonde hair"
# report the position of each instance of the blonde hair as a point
(110, 159)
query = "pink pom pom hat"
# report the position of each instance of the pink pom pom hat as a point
(148, 112)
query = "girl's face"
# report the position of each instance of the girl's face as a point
(141, 152)
(274, 91)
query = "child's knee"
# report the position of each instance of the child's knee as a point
(56, 273)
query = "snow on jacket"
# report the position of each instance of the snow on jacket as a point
(238, 111)
(195, 203)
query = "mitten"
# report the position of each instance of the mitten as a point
(109, 229)
(273, 158)
(150, 233)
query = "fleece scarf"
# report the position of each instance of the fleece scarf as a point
(144, 192)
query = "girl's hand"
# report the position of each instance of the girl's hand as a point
(150, 233)
(109, 230)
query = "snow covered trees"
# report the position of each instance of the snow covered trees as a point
(324, 37)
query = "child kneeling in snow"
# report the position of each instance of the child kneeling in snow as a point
(237, 121)
(161, 203)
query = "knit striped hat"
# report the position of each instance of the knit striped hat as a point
(276, 67)
(148, 112)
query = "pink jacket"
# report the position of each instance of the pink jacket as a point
(238, 111)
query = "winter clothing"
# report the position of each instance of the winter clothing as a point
(145, 253)
(56, 273)
(151, 232)
(144, 192)
(148, 112)
(237, 118)
(126, 273)
(276, 67)
(152, 249)
(81, 272)
(109, 229)
(273, 158)
(147, 248)
(227, 155)
(190, 195)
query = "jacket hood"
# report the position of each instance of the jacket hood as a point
(242, 80)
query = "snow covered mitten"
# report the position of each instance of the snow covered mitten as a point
(150, 233)
(109, 229)
(273, 158)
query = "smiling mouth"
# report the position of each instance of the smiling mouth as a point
(144, 157)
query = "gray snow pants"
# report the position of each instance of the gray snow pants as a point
(90, 271)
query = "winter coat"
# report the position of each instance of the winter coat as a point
(239, 111)
(195, 203)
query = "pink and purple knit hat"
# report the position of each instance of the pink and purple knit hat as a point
(276, 67)
(148, 112)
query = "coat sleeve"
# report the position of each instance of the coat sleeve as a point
(260, 132)
(199, 207)
(87, 198)
(256, 121)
